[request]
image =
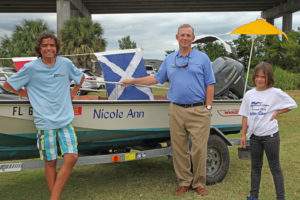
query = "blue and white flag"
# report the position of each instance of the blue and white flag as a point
(119, 65)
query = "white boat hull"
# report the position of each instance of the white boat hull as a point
(103, 124)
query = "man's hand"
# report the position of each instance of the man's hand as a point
(146, 80)
(126, 82)
(209, 94)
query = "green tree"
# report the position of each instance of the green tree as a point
(242, 47)
(281, 52)
(23, 40)
(82, 36)
(213, 50)
(285, 53)
(126, 43)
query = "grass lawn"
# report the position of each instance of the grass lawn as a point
(155, 179)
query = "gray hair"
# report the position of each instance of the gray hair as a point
(185, 26)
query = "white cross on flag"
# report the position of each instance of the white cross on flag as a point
(120, 65)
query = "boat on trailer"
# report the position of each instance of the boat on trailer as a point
(109, 125)
(104, 125)
(118, 131)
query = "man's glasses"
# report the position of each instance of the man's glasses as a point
(183, 63)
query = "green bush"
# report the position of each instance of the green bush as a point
(286, 80)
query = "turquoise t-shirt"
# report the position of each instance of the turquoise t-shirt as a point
(48, 91)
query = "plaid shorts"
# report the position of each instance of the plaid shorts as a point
(47, 142)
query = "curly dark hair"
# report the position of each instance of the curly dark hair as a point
(266, 68)
(46, 36)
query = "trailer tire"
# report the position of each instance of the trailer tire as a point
(217, 160)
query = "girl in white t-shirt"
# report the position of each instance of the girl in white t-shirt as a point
(259, 109)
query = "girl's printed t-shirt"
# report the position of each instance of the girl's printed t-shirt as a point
(259, 106)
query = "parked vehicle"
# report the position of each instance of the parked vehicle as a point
(92, 81)
(3, 77)
(5, 72)
(150, 70)
(8, 70)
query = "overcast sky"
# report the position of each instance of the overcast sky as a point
(153, 32)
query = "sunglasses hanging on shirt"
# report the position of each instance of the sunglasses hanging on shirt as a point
(182, 62)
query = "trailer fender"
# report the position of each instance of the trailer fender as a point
(218, 132)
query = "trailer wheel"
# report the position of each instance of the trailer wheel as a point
(217, 163)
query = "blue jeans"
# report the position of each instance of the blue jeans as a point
(271, 145)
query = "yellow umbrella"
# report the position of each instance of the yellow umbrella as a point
(257, 27)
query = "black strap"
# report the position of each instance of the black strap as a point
(189, 105)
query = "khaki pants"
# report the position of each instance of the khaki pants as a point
(189, 164)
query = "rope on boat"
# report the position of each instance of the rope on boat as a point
(119, 83)
(70, 55)
(108, 82)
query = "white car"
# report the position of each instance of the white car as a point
(150, 70)
(6, 72)
(3, 77)
(92, 81)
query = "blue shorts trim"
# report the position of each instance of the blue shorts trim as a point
(47, 142)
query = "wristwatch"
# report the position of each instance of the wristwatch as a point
(208, 107)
